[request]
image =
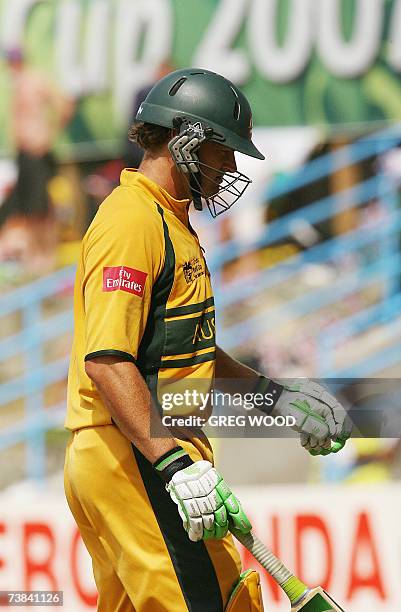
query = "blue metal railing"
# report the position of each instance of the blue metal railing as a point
(386, 235)
(382, 274)
(324, 252)
(236, 335)
(363, 149)
(29, 388)
(37, 291)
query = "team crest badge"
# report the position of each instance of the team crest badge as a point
(192, 270)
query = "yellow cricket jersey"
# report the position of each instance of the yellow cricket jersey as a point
(143, 292)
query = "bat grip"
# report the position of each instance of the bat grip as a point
(265, 557)
(294, 588)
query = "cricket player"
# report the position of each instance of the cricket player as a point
(153, 512)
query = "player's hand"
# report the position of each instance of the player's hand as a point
(321, 420)
(206, 504)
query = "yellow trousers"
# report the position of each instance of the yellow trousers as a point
(142, 558)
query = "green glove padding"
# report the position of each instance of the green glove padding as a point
(206, 504)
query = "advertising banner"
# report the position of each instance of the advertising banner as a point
(300, 62)
(346, 539)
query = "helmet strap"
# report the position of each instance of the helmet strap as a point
(195, 184)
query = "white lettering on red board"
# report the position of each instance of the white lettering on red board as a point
(365, 571)
(45, 555)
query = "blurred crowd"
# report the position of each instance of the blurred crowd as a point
(46, 205)
(38, 113)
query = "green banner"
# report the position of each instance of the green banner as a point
(301, 62)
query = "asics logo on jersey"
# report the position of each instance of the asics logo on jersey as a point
(125, 279)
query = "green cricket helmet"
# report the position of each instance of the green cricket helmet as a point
(201, 105)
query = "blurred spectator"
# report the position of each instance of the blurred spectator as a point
(100, 183)
(337, 182)
(106, 177)
(373, 456)
(132, 152)
(38, 112)
(363, 461)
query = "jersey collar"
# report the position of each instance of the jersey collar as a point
(133, 178)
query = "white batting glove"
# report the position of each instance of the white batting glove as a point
(320, 419)
(206, 504)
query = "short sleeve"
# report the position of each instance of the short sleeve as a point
(122, 260)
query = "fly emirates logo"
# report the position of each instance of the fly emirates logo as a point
(125, 279)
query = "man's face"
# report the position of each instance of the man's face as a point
(220, 159)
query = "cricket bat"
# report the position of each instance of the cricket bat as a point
(301, 597)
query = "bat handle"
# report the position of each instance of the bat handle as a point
(294, 588)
